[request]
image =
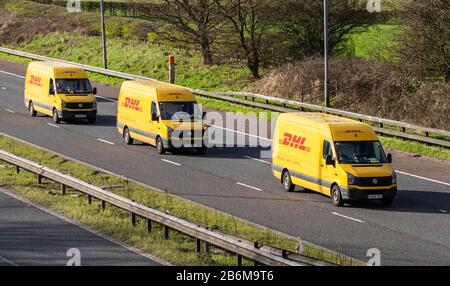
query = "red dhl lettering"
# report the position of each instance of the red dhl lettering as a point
(132, 104)
(295, 141)
(35, 80)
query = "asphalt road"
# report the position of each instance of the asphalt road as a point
(33, 237)
(415, 231)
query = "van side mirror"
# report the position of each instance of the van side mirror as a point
(389, 157)
(94, 91)
(51, 91)
(155, 117)
(330, 160)
(203, 115)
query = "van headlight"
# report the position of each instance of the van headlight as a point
(94, 104)
(351, 179)
(394, 178)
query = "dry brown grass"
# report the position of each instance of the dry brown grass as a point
(366, 86)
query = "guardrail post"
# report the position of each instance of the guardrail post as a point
(171, 69)
(166, 232)
(103, 205)
(427, 134)
(207, 247)
(381, 125)
(149, 225)
(133, 219)
(63, 189)
(89, 199)
(39, 179)
(17, 169)
(199, 246)
(239, 260)
(284, 253)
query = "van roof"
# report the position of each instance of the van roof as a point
(342, 129)
(58, 69)
(164, 91)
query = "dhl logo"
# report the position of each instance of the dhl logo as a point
(132, 104)
(35, 80)
(295, 141)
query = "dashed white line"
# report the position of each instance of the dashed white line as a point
(8, 73)
(257, 160)
(250, 187)
(52, 125)
(104, 141)
(348, 217)
(171, 162)
(443, 211)
(422, 178)
(3, 88)
(9, 110)
(242, 133)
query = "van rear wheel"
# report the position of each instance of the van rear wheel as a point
(160, 146)
(33, 112)
(336, 196)
(287, 182)
(127, 137)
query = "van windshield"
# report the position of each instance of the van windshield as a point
(180, 111)
(360, 152)
(73, 86)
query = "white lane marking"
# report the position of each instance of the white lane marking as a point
(7, 261)
(443, 211)
(52, 125)
(9, 110)
(423, 178)
(242, 133)
(3, 88)
(104, 141)
(87, 228)
(257, 160)
(171, 162)
(347, 217)
(250, 187)
(8, 73)
(105, 98)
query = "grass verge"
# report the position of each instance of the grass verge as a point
(417, 148)
(179, 250)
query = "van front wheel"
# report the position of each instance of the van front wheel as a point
(160, 146)
(336, 196)
(56, 117)
(127, 137)
(287, 182)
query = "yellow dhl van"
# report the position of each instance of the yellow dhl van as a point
(59, 90)
(338, 157)
(160, 114)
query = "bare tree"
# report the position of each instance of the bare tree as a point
(188, 21)
(247, 31)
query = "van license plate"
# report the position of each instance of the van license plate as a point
(375, 197)
(80, 115)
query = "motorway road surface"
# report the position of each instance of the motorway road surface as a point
(33, 237)
(415, 231)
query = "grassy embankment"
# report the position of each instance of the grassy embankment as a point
(178, 250)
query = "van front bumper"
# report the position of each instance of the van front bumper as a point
(70, 115)
(183, 144)
(353, 194)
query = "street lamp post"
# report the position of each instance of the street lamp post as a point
(326, 53)
(105, 57)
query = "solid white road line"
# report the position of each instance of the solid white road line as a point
(105, 98)
(8, 73)
(9, 110)
(257, 160)
(104, 141)
(423, 178)
(7, 261)
(347, 217)
(242, 133)
(171, 162)
(250, 187)
(52, 125)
